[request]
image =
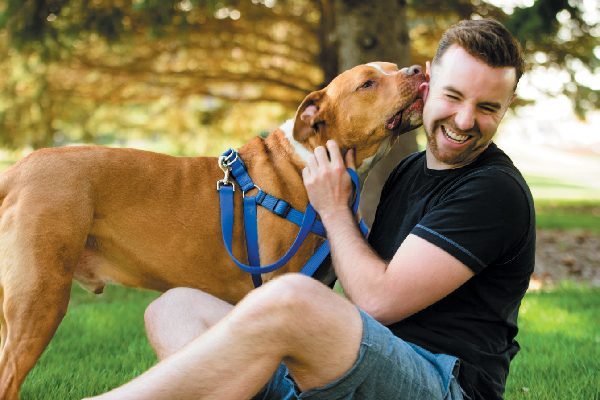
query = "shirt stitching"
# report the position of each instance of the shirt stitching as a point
(453, 243)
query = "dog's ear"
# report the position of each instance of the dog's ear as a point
(310, 116)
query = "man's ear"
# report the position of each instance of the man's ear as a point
(309, 116)
(424, 87)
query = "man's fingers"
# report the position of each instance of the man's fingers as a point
(334, 153)
(305, 174)
(350, 159)
(311, 164)
(321, 156)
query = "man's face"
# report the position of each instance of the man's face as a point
(464, 103)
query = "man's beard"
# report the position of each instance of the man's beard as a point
(455, 159)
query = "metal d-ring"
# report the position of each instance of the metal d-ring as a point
(253, 187)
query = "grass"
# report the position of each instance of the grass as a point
(101, 344)
(568, 214)
(4, 164)
(550, 187)
(560, 346)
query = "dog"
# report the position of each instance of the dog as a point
(104, 215)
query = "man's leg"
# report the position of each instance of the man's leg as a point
(179, 316)
(294, 318)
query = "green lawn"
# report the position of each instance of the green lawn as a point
(101, 344)
(568, 214)
(550, 187)
(560, 346)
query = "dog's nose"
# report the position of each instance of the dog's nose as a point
(412, 70)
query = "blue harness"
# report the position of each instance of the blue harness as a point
(232, 164)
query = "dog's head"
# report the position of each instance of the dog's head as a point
(364, 108)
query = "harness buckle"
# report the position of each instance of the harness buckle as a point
(226, 168)
(224, 182)
(226, 159)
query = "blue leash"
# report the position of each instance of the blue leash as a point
(231, 163)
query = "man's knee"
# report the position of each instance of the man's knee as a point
(305, 323)
(168, 304)
(155, 310)
(286, 300)
(293, 292)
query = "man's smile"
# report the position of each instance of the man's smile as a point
(454, 136)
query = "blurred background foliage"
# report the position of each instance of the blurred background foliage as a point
(210, 74)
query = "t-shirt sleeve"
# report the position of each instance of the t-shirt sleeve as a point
(480, 221)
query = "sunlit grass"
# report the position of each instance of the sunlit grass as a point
(550, 188)
(568, 214)
(4, 164)
(101, 344)
(560, 346)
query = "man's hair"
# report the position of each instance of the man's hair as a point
(487, 40)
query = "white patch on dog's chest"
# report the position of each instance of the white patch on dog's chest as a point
(288, 129)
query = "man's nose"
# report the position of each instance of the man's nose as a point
(412, 70)
(464, 118)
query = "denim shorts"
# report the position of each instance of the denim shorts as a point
(387, 368)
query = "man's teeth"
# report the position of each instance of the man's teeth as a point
(455, 136)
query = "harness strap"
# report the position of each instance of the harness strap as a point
(283, 209)
(271, 203)
(226, 198)
(307, 220)
(238, 169)
(251, 234)
(323, 250)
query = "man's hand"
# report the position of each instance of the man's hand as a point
(418, 275)
(326, 180)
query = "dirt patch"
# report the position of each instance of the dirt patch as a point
(562, 255)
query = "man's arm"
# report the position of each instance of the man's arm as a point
(419, 274)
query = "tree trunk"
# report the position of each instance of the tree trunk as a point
(328, 58)
(374, 31)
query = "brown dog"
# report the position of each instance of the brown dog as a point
(102, 215)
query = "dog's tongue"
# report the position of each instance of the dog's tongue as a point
(394, 122)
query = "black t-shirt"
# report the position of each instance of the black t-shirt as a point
(483, 215)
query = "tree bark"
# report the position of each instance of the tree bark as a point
(328, 58)
(374, 31)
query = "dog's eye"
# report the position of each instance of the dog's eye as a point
(367, 84)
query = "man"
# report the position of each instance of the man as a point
(452, 252)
